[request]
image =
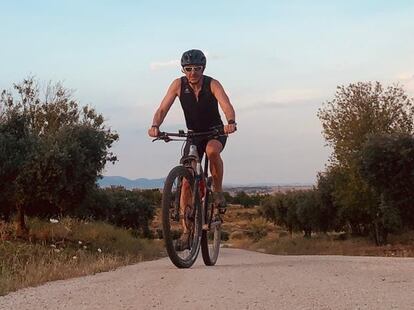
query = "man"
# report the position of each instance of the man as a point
(200, 96)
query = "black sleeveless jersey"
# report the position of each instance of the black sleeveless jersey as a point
(203, 114)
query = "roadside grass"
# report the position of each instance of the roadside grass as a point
(249, 231)
(66, 249)
(321, 244)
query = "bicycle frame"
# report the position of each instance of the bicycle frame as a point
(190, 168)
(199, 173)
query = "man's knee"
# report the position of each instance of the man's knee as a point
(213, 150)
(213, 154)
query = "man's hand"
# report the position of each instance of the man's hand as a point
(153, 131)
(230, 128)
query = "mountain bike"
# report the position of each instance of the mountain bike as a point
(195, 215)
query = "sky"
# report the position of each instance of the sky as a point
(278, 61)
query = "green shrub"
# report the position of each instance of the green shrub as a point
(236, 235)
(258, 229)
(225, 235)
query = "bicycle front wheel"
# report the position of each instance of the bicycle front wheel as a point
(211, 238)
(181, 217)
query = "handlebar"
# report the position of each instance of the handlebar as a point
(166, 136)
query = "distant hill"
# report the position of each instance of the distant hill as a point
(108, 181)
(143, 183)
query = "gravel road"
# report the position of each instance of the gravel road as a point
(241, 280)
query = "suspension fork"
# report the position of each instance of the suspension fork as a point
(176, 214)
(206, 194)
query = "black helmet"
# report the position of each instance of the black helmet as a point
(193, 57)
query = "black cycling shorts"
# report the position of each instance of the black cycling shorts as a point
(201, 144)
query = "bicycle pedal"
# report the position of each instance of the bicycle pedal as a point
(216, 223)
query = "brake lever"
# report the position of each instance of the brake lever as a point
(165, 138)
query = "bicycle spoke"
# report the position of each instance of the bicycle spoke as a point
(210, 241)
(181, 224)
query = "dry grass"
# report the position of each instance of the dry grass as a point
(248, 231)
(242, 223)
(329, 245)
(67, 249)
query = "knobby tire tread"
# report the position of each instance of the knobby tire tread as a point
(166, 199)
(208, 261)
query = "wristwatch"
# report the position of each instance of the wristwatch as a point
(231, 122)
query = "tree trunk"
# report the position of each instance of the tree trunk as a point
(376, 233)
(308, 233)
(6, 215)
(21, 228)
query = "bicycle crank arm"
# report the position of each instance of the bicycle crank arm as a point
(215, 223)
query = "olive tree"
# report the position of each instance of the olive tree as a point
(71, 145)
(357, 112)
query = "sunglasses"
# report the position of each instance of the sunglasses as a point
(195, 69)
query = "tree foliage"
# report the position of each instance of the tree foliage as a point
(387, 165)
(357, 112)
(17, 148)
(133, 209)
(244, 199)
(295, 210)
(53, 150)
(360, 110)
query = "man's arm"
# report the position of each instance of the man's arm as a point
(226, 106)
(166, 103)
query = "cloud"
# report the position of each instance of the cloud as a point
(284, 99)
(157, 65)
(262, 106)
(407, 81)
(274, 105)
(211, 56)
(405, 76)
(296, 95)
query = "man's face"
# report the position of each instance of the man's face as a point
(193, 73)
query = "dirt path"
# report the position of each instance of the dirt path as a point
(241, 280)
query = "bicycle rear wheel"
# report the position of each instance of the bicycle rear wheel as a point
(211, 238)
(176, 219)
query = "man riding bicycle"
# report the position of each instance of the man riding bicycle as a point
(200, 96)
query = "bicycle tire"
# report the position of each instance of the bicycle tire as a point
(168, 196)
(211, 238)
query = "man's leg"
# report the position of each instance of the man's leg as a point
(185, 200)
(213, 149)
